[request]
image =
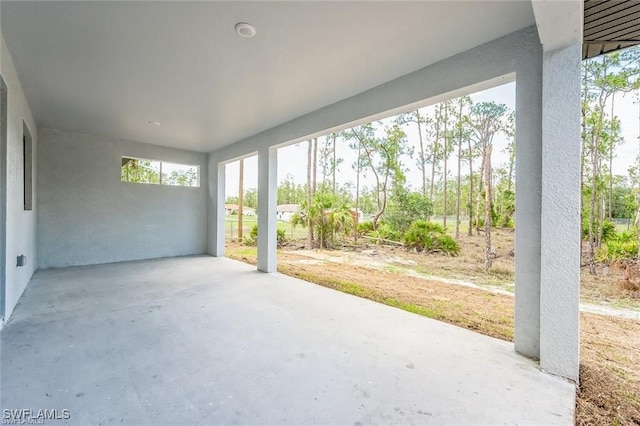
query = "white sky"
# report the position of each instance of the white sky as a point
(293, 159)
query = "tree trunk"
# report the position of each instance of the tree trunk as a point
(315, 166)
(434, 159)
(333, 180)
(480, 185)
(638, 194)
(592, 212)
(582, 150)
(470, 230)
(488, 251)
(309, 195)
(611, 146)
(458, 177)
(512, 162)
(422, 167)
(433, 174)
(445, 154)
(240, 198)
(355, 234)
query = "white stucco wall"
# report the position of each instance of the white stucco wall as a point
(561, 193)
(87, 215)
(20, 224)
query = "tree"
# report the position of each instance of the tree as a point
(418, 119)
(443, 111)
(462, 133)
(251, 198)
(381, 157)
(328, 161)
(289, 192)
(310, 189)
(488, 250)
(139, 171)
(603, 78)
(486, 119)
(327, 216)
(406, 207)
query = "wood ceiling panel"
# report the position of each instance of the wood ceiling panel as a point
(610, 25)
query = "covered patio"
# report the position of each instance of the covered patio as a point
(203, 340)
(86, 87)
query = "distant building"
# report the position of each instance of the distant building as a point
(230, 209)
(286, 211)
(358, 215)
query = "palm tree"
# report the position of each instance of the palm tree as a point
(326, 217)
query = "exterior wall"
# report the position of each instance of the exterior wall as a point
(87, 215)
(20, 224)
(561, 194)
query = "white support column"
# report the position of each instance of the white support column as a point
(528, 205)
(267, 203)
(216, 207)
(560, 214)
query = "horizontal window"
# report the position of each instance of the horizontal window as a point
(140, 170)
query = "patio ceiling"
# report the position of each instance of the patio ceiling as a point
(609, 26)
(110, 68)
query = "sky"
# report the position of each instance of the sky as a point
(293, 158)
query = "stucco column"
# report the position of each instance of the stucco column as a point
(560, 213)
(267, 203)
(528, 202)
(216, 214)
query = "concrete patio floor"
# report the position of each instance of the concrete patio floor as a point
(202, 340)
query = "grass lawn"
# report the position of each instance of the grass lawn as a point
(231, 227)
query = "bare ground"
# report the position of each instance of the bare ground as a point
(460, 292)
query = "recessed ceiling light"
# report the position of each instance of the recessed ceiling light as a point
(245, 30)
(154, 123)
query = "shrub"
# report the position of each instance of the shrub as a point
(431, 237)
(254, 232)
(281, 236)
(625, 236)
(365, 227)
(448, 245)
(618, 250)
(386, 232)
(608, 230)
(252, 238)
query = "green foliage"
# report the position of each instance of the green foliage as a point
(607, 230)
(328, 217)
(364, 227)
(140, 171)
(618, 250)
(381, 157)
(252, 238)
(405, 208)
(385, 231)
(430, 237)
(508, 208)
(626, 236)
(289, 192)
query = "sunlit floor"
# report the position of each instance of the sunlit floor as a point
(202, 340)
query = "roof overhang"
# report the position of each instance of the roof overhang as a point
(610, 26)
